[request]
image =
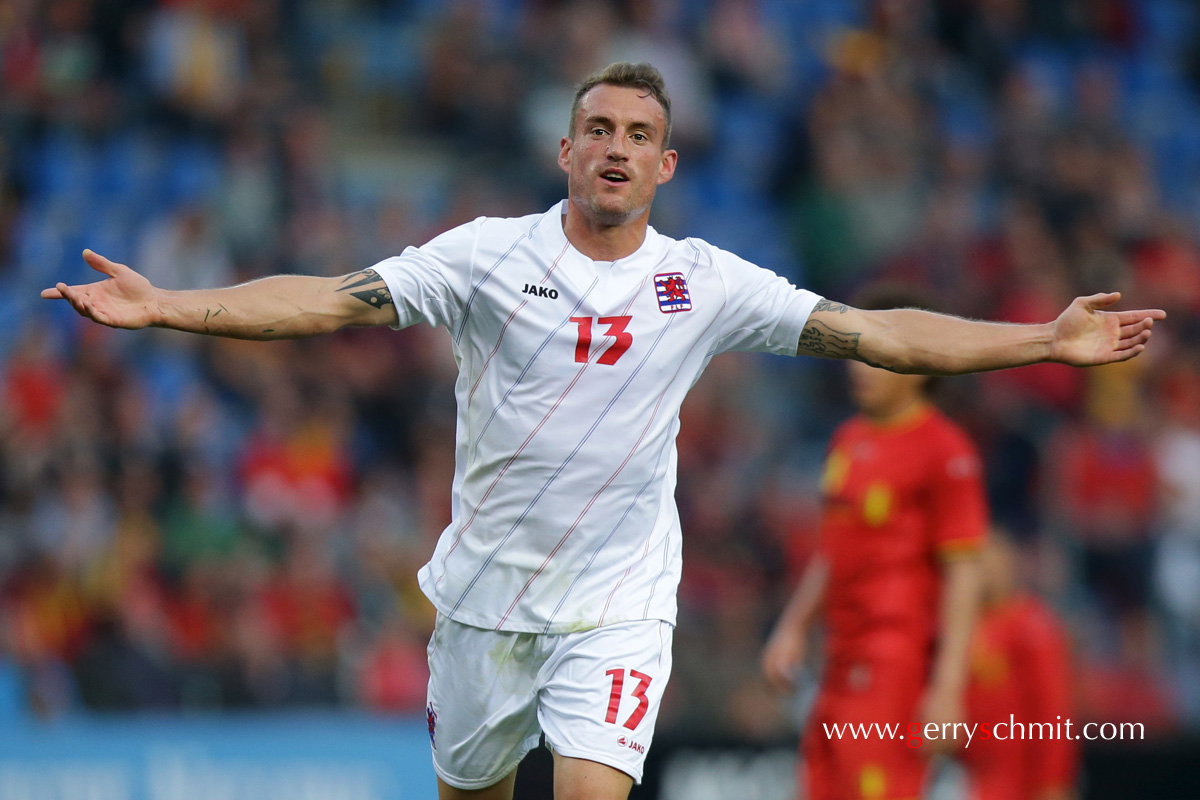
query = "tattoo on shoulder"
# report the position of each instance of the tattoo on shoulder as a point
(368, 287)
(829, 305)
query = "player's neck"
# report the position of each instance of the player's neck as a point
(604, 242)
(898, 414)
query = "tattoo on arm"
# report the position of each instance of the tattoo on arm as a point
(370, 288)
(819, 339)
(208, 312)
(829, 305)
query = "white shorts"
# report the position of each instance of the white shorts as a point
(595, 695)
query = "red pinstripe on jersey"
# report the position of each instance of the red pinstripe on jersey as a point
(462, 325)
(649, 534)
(458, 536)
(504, 327)
(611, 478)
(550, 620)
(583, 513)
(511, 460)
(633, 298)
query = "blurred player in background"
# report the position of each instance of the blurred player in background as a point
(897, 572)
(1019, 666)
(578, 332)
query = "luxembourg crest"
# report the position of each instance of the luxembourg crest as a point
(672, 292)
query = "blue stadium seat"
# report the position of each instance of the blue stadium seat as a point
(62, 165)
(130, 170)
(194, 173)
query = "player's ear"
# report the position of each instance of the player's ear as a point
(666, 167)
(564, 154)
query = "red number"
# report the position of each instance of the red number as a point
(584, 343)
(640, 694)
(614, 697)
(616, 329)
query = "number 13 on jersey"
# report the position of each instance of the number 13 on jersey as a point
(616, 329)
(639, 692)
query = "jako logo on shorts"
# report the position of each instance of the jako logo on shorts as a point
(631, 744)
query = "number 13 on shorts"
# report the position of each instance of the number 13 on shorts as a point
(638, 692)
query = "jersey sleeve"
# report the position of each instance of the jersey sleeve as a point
(430, 283)
(764, 312)
(957, 497)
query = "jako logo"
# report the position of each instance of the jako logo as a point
(631, 744)
(540, 291)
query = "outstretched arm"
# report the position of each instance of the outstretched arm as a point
(910, 340)
(279, 307)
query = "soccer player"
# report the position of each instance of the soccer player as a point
(578, 332)
(897, 572)
(1020, 669)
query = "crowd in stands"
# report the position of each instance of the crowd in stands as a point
(189, 523)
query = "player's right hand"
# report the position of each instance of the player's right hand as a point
(783, 656)
(125, 300)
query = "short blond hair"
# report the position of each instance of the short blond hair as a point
(633, 76)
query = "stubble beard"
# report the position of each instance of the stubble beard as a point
(593, 209)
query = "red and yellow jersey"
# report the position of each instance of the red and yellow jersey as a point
(897, 499)
(1020, 669)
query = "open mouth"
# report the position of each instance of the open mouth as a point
(614, 176)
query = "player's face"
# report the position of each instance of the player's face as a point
(615, 159)
(881, 394)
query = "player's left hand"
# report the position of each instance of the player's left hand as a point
(1085, 335)
(944, 708)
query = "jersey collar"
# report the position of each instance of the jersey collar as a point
(646, 256)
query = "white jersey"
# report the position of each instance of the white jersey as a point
(571, 375)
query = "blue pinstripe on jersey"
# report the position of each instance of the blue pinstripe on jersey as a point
(462, 325)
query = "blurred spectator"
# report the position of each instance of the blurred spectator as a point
(395, 672)
(1177, 567)
(195, 56)
(1105, 491)
(126, 664)
(199, 525)
(182, 252)
(1129, 682)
